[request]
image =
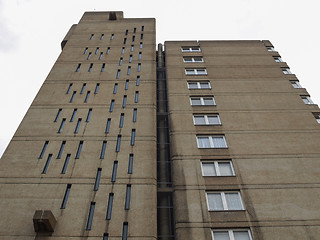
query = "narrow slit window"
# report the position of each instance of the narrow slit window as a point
(133, 38)
(102, 35)
(89, 115)
(108, 50)
(133, 137)
(120, 61)
(43, 149)
(78, 125)
(130, 165)
(114, 171)
(129, 70)
(61, 149)
(105, 236)
(79, 149)
(126, 86)
(90, 67)
(124, 40)
(87, 97)
(112, 36)
(134, 117)
(141, 45)
(132, 47)
(103, 149)
(73, 95)
(115, 88)
(100, 56)
(97, 88)
(65, 165)
(140, 55)
(118, 143)
(73, 114)
(69, 88)
(45, 168)
(89, 56)
(111, 105)
(118, 74)
(124, 102)
(109, 208)
(136, 97)
(78, 67)
(65, 197)
(91, 37)
(134, 30)
(138, 81)
(139, 67)
(103, 67)
(130, 58)
(97, 181)
(58, 115)
(85, 50)
(121, 120)
(141, 36)
(127, 31)
(125, 229)
(61, 125)
(108, 125)
(90, 216)
(122, 51)
(142, 28)
(83, 87)
(128, 197)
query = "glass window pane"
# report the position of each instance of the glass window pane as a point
(221, 235)
(188, 59)
(233, 201)
(190, 72)
(193, 85)
(219, 142)
(215, 201)
(213, 120)
(195, 101)
(204, 85)
(198, 59)
(203, 142)
(208, 101)
(201, 71)
(241, 235)
(198, 120)
(225, 169)
(208, 169)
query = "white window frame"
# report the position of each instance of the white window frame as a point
(191, 49)
(277, 59)
(224, 200)
(198, 84)
(206, 119)
(196, 71)
(202, 103)
(193, 59)
(295, 84)
(307, 100)
(211, 141)
(215, 163)
(271, 49)
(286, 71)
(230, 232)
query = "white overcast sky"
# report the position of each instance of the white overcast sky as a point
(31, 32)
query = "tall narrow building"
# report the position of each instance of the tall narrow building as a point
(197, 140)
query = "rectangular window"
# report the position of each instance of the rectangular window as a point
(129, 70)
(128, 197)
(58, 115)
(138, 81)
(78, 125)
(118, 74)
(120, 62)
(234, 234)
(224, 201)
(277, 59)
(125, 231)
(114, 171)
(61, 125)
(142, 28)
(110, 204)
(108, 50)
(130, 165)
(217, 168)
(133, 38)
(61, 149)
(118, 143)
(73, 114)
(140, 56)
(139, 67)
(89, 56)
(141, 36)
(270, 49)
(112, 36)
(87, 97)
(100, 56)
(97, 181)
(295, 84)
(103, 149)
(136, 97)
(124, 40)
(115, 88)
(91, 37)
(124, 102)
(212, 119)
(85, 50)
(130, 58)
(194, 59)
(134, 117)
(199, 85)
(105, 236)
(215, 141)
(102, 67)
(102, 35)
(127, 31)
(69, 88)
(194, 71)
(90, 216)
(306, 100)
(78, 67)
(43, 149)
(90, 67)
(111, 105)
(141, 45)
(190, 49)
(202, 101)
(45, 168)
(133, 137)
(132, 47)
(65, 197)
(122, 51)
(286, 71)
(134, 30)
(79, 150)
(89, 115)
(65, 165)
(73, 95)
(126, 86)
(108, 125)
(121, 120)
(83, 87)
(97, 88)
(317, 116)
